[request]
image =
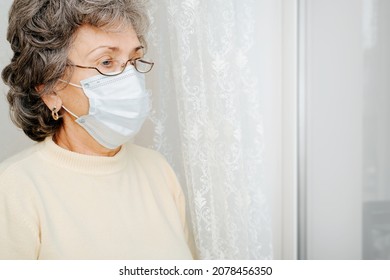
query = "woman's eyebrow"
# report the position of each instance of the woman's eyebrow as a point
(113, 49)
(140, 47)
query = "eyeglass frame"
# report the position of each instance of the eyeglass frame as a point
(123, 66)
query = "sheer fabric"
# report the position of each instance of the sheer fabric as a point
(207, 120)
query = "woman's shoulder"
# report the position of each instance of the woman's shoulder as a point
(151, 160)
(145, 154)
(19, 160)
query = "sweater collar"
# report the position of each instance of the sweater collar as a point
(97, 165)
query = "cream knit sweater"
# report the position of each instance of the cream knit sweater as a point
(56, 204)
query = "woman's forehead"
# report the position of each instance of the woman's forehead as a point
(89, 40)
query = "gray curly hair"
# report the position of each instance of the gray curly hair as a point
(40, 33)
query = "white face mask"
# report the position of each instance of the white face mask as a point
(118, 106)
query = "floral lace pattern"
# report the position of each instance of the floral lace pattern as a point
(207, 120)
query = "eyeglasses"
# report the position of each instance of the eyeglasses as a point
(113, 67)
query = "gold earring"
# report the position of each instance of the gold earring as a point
(54, 114)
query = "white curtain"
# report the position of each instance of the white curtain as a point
(208, 88)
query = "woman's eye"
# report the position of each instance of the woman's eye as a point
(107, 63)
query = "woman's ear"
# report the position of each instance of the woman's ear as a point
(54, 103)
(52, 100)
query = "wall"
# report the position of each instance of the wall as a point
(347, 131)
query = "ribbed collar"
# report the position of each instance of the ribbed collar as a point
(96, 165)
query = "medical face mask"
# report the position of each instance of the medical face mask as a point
(118, 106)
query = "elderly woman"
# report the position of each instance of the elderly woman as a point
(76, 86)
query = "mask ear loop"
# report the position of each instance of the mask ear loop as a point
(69, 83)
(66, 109)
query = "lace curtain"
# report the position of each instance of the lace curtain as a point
(207, 120)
